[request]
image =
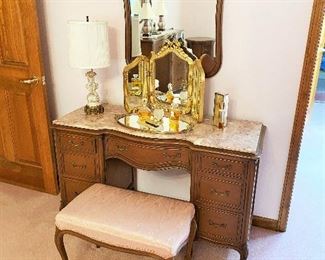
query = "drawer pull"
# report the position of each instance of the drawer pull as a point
(220, 193)
(217, 225)
(79, 166)
(76, 144)
(122, 148)
(76, 193)
(173, 156)
(223, 167)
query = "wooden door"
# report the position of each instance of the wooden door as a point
(25, 144)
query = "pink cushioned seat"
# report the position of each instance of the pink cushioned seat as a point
(129, 219)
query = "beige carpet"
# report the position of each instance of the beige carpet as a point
(27, 231)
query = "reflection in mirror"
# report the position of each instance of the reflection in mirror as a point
(171, 78)
(149, 23)
(181, 85)
(158, 20)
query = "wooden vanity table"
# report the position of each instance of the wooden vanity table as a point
(223, 165)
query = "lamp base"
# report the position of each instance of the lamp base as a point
(96, 110)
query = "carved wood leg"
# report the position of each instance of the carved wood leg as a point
(60, 244)
(244, 252)
(191, 237)
(62, 204)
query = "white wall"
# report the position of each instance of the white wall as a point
(264, 44)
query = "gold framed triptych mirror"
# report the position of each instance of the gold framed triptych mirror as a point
(141, 86)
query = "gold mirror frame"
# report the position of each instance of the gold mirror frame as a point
(143, 63)
(195, 80)
(147, 72)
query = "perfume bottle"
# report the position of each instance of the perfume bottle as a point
(175, 111)
(158, 113)
(220, 110)
(183, 95)
(175, 114)
(170, 94)
(135, 86)
(144, 112)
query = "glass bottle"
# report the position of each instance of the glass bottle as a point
(135, 85)
(144, 112)
(183, 95)
(170, 94)
(175, 113)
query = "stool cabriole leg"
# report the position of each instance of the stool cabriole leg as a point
(191, 237)
(60, 244)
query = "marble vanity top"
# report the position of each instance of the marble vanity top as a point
(239, 135)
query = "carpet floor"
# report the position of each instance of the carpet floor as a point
(27, 218)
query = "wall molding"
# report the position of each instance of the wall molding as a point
(314, 36)
(267, 223)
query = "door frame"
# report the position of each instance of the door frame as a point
(306, 83)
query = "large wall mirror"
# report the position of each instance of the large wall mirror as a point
(150, 23)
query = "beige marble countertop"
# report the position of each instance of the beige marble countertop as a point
(239, 135)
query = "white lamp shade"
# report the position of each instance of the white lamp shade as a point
(146, 11)
(88, 44)
(160, 7)
(135, 7)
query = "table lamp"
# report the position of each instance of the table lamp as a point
(161, 12)
(88, 49)
(146, 16)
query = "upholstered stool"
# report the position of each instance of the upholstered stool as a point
(128, 221)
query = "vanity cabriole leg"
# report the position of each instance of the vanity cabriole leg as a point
(244, 252)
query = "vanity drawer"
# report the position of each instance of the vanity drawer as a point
(149, 156)
(73, 188)
(84, 167)
(219, 226)
(225, 166)
(78, 142)
(228, 193)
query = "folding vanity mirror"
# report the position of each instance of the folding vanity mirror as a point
(157, 106)
(186, 81)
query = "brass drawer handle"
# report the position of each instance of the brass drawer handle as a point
(223, 167)
(220, 193)
(173, 156)
(217, 225)
(79, 166)
(76, 144)
(122, 148)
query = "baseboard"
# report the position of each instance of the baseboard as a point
(267, 223)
